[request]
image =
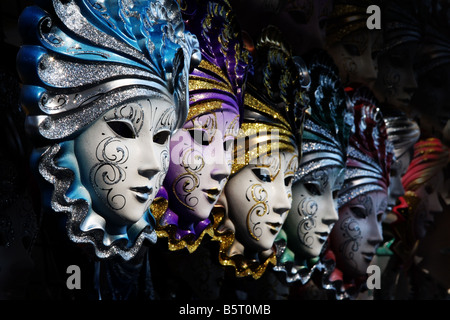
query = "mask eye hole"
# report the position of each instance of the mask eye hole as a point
(352, 49)
(122, 129)
(429, 189)
(335, 194)
(201, 137)
(262, 174)
(228, 144)
(358, 212)
(161, 137)
(288, 181)
(313, 189)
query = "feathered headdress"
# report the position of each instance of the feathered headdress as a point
(274, 104)
(217, 84)
(329, 124)
(82, 58)
(348, 16)
(402, 132)
(274, 109)
(370, 153)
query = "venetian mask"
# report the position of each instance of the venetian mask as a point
(358, 232)
(396, 82)
(198, 175)
(353, 47)
(326, 131)
(265, 163)
(201, 151)
(357, 57)
(304, 23)
(430, 102)
(363, 197)
(314, 211)
(259, 199)
(102, 106)
(403, 133)
(258, 193)
(430, 205)
(121, 170)
(424, 180)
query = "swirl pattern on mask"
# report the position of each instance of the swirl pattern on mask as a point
(257, 194)
(112, 154)
(307, 208)
(81, 59)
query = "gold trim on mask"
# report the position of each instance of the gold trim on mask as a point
(255, 104)
(269, 133)
(202, 101)
(199, 83)
(158, 209)
(255, 140)
(242, 266)
(345, 20)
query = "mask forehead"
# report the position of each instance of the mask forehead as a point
(112, 163)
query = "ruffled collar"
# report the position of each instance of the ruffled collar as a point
(178, 237)
(294, 268)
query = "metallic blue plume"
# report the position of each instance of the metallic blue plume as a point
(80, 51)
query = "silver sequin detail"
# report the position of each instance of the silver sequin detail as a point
(58, 127)
(67, 74)
(78, 210)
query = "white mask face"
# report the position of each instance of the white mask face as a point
(314, 211)
(398, 169)
(356, 57)
(259, 198)
(124, 156)
(200, 164)
(429, 206)
(358, 232)
(396, 82)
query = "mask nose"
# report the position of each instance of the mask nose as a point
(221, 170)
(331, 216)
(282, 203)
(375, 236)
(150, 164)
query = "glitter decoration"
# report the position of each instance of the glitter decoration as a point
(275, 103)
(215, 85)
(229, 63)
(102, 38)
(80, 59)
(328, 124)
(400, 24)
(348, 16)
(429, 159)
(370, 153)
(264, 135)
(294, 271)
(402, 132)
(326, 132)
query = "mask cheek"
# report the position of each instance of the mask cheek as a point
(165, 162)
(109, 173)
(258, 197)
